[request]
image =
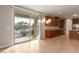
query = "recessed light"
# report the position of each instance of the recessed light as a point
(59, 12)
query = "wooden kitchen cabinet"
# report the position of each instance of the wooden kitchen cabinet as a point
(53, 33)
(57, 24)
(74, 35)
(75, 20)
(50, 33)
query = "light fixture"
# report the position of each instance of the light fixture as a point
(59, 12)
(43, 20)
(48, 21)
(75, 15)
(39, 21)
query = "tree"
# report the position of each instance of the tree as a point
(22, 27)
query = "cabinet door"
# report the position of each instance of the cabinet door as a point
(53, 33)
(47, 34)
(76, 21)
(53, 22)
(61, 23)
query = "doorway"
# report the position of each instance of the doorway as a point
(26, 28)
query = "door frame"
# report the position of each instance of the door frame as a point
(13, 41)
(25, 11)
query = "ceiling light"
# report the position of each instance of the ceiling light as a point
(48, 21)
(75, 15)
(60, 12)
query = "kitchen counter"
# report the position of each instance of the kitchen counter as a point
(74, 30)
(52, 28)
(53, 33)
(74, 34)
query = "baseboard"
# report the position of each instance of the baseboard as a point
(6, 46)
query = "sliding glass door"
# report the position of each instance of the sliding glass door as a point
(22, 25)
(35, 28)
(27, 27)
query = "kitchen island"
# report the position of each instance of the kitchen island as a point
(74, 34)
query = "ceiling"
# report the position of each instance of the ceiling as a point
(64, 11)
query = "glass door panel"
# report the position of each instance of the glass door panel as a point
(26, 27)
(22, 24)
(35, 27)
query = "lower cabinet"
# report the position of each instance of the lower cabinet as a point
(74, 35)
(53, 33)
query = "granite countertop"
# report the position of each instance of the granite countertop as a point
(52, 28)
(74, 30)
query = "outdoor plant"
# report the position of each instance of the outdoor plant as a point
(22, 27)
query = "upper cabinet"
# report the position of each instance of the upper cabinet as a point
(75, 20)
(54, 26)
(75, 23)
(54, 22)
(47, 21)
(61, 22)
(51, 21)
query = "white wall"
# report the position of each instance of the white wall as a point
(5, 25)
(68, 25)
